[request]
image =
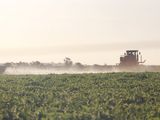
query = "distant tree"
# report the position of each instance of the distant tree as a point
(8, 64)
(79, 65)
(36, 64)
(22, 64)
(68, 62)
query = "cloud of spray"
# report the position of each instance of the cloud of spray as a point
(38, 71)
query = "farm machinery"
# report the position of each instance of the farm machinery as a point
(131, 58)
(131, 61)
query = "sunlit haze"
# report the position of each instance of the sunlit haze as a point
(87, 31)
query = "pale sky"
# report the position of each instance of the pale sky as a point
(87, 31)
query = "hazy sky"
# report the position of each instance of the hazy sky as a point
(89, 31)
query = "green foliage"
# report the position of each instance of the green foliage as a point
(112, 96)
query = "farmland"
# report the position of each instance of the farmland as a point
(107, 96)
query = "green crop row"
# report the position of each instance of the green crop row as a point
(110, 96)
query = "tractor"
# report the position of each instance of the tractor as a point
(131, 58)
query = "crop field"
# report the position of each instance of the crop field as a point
(107, 96)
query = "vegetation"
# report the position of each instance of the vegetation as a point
(112, 96)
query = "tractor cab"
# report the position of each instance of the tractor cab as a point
(131, 58)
